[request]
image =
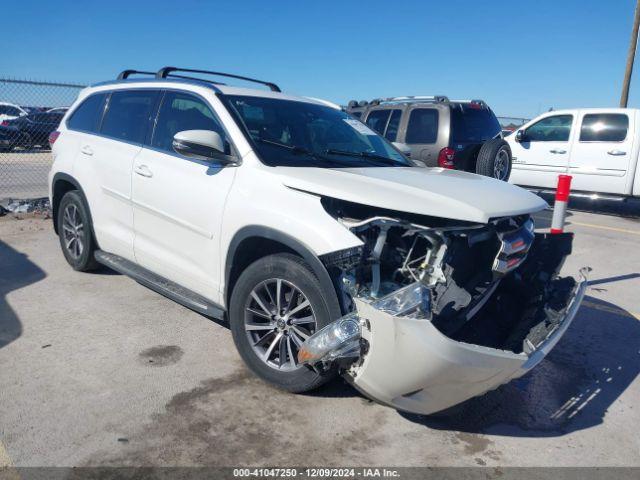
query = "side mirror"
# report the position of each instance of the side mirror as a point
(404, 148)
(521, 136)
(202, 145)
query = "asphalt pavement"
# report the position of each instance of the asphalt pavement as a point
(96, 369)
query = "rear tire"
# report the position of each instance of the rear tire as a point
(76, 232)
(267, 340)
(494, 159)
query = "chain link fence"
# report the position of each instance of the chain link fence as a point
(29, 112)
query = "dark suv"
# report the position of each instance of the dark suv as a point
(460, 134)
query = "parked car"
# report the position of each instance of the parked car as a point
(31, 109)
(597, 146)
(58, 110)
(9, 111)
(455, 134)
(324, 248)
(30, 130)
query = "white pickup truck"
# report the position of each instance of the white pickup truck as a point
(597, 146)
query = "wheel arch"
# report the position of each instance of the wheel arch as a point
(61, 184)
(254, 242)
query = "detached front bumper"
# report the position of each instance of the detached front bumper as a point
(412, 366)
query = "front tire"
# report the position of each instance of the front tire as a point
(76, 232)
(494, 159)
(276, 304)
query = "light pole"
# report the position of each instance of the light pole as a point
(624, 98)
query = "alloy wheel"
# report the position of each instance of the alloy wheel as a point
(73, 231)
(501, 164)
(278, 319)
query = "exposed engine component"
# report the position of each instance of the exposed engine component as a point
(461, 263)
(438, 311)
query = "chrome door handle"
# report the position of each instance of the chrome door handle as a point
(616, 153)
(557, 151)
(87, 150)
(143, 171)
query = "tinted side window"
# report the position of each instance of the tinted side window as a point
(179, 112)
(377, 120)
(550, 129)
(87, 116)
(127, 115)
(604, 127)
(423, 126)
(356, 114)
(392, 127)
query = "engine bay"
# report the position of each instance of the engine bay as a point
(461, 263)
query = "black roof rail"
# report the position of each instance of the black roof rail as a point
(168, 72)
(127, 73)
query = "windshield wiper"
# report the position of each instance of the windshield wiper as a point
(296, 150)
(368, 155)
(292, 148)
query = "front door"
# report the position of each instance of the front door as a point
(178, 201)
(544, 151)
(600, 157)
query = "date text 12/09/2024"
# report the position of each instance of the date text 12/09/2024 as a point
(316, 472)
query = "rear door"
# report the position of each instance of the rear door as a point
(600, 159)
(544, 152)
(178, 201)
(423, 134)
(472, 124)
(104, 165)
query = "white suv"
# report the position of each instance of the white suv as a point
(326, 251)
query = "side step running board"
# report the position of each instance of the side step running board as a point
(160, 284)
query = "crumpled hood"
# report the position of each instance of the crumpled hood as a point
(435, 192)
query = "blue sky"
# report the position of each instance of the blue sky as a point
(521, 57)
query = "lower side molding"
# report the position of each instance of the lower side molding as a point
(160, 284)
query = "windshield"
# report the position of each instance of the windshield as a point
(473, 124)
(300, 134)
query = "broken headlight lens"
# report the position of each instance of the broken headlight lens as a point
(338, 339)
(412, 301)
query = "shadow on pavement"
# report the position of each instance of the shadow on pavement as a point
(17, 271)
(572, 389)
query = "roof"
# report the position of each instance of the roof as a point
(217, 88)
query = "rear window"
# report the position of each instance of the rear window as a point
(423, 126)
(86, 117)
(473, 124)
(604, 127)
(127, 115)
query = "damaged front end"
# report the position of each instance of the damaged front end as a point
(439, 311)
